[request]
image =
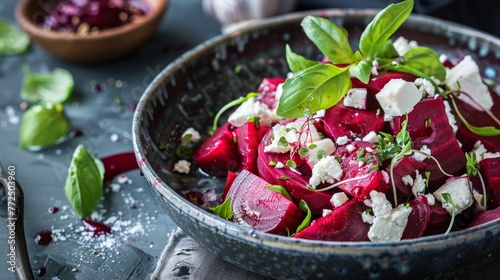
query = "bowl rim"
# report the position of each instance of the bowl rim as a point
(157, 10)
(276, 241)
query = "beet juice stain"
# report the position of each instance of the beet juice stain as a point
(95, 227)
(44, 237)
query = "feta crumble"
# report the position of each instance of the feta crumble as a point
(388, 223)
(250, 109)
(398, 97)
(342, 140)
(327, 170)
(482, 153)
(356, 98)
(402, 45)
(182, 166)
(421, 157)
(460, 192)
(338, 199)
(195, 135)
(372, 137)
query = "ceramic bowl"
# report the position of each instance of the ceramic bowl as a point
(106, 45)
(189, 92)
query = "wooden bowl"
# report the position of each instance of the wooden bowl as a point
(106, 45)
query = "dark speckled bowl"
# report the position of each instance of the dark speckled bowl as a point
(191, 90)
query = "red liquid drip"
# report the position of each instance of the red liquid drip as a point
(41, 271)
(96, 227)
(44, 237)
(53, 209)
(117, 164)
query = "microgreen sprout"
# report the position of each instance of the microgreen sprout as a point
(307, 220)
(290, 163)
(472, 169)
(447, 198)
(279, 189)
(344, 182)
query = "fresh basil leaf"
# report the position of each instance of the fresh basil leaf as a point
(51, 87)
(279, 189)
(224, 209)
(362, 70)
(315, 88)
(331, 39)
(12, 39)
(42, 126)
(307, 220)
(297, 62)
(387, 50)
(426, 61)
(383, 26)
(84, 182)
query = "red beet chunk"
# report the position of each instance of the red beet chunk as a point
(118, 163)
(361, 188)
(490, 169)
(439, 220)
(248, 138)
(229, 181)
(485, 217)
(405, 166)
(295, 183)
(343, 121)
(267, 89)
(344, 223)
(437, 135)
(255, 206)
(219, 152)
(480, 119)
(419, 218)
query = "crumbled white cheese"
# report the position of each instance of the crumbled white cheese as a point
(291, 132)
(350, 148)
(356, 98)
(460, 192)
(418, 185)
(327, 170)
(326, 212)
(388, 224)
(320, 113)
(367, 217)
(342, 140)
(482, 153)
(465, 77)
(385, 175)
(325, 144)
(372, 137)
(279, 165)
(250, 109)
(478, 197)
(451, 118)
(425, 87)
(338, 199)
(402, 45)
(421, 157)
(430, 199)
(195, 135)
(182, 166)
(398, 97)
(375, 65)
(407, 180)
(279, 132)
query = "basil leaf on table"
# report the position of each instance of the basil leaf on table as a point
(42, 126)
(12, 39)
(313, 89)
(84, 182)
(331, 39)
(52, 87)
(297, 62)
(382, 27)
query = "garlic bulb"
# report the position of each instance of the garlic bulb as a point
(231, 11)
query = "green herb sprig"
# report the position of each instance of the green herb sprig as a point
(224, 209)
(12, 39)
(315, 86)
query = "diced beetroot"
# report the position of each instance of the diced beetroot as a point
(484, 217)
(351, 167)
(353, 123)
(344, 223)
(255, 206)
(428, 125)
(490, 169)
(405, 166)
(248, 138)
(377, 83)
(294, 182)
(219, 152)
(480, 119)
(229, 181)
(419, 218)
(439, 221)
(267, 88)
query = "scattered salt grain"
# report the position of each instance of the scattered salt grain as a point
(115, 187)
(114, 137)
